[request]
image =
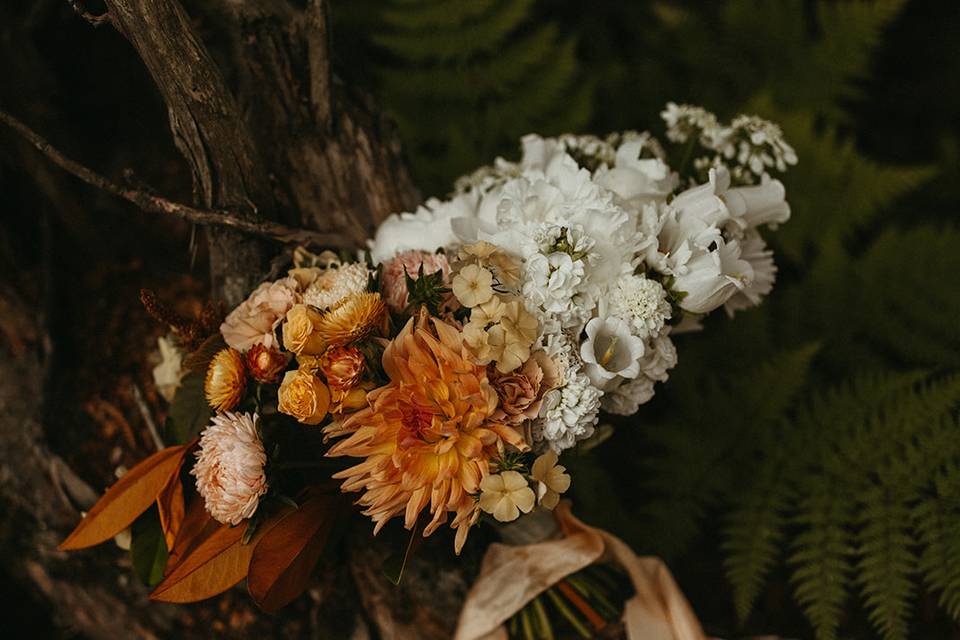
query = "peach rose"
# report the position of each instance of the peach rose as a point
(300, 331)
(303, 396)
(521, 392)
(265, 364)
(256, 319)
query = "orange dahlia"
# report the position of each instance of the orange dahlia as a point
(427, 436)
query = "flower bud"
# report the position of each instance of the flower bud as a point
(265, 365)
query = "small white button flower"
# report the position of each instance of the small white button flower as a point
(505, 495)
(473, 286)
(552, 479)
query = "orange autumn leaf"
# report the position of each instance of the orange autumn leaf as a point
(171, 507)
(212, 562)
(284, 559)
(197, 525)
(129, 497)
(214, 565)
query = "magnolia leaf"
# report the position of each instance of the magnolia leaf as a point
(214, 565)
(148, 550)
(197, 525)
(130, 496)
(284, 559)
(217, 561)
(171, 509)
(189, 413)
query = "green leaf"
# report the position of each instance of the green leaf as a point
(189, 413)
(148, 549)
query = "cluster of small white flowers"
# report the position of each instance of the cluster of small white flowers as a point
(748, 147)
(613, 261)
(570, 413)
(643, 302)
(760, 145)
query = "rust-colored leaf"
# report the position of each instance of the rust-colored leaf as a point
(130, 496)
(214, 560)
(171, 508)
(196, 526)
(284, 559)
(214, 565)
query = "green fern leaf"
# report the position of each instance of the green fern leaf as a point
(909, 307)
(821, 557)
(887, 563)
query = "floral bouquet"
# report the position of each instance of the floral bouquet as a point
(437, 375)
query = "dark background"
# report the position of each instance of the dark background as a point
(868, 92)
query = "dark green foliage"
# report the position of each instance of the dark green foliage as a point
(148, 549)
(464, 80)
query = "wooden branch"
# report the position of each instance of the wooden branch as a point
(155, 204)
(210, 133)
(96, 20)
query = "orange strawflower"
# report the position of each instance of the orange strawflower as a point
(427, 437)
(226, 380)
(351, 319)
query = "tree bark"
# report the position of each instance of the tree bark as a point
(268, 133)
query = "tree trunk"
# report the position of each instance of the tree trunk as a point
(268, 133)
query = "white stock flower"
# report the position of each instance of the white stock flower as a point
(659, 356)
(625, 400)
(711, 278)
(229, 468)
(610, 350)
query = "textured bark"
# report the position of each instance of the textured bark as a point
(334, 162)
(208, 131)
(268, 133)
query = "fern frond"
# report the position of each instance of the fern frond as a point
(910, 307)
(886, 561)
(752, 540)
(834, 190)
(419, 41)
(937, 523)
(821, 557)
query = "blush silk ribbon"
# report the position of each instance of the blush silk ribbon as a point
(511, 576)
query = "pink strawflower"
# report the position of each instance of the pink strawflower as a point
(395, 285)
(229, 467)
(256, 319)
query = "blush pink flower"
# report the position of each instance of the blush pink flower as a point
(229, 468)
(256, 319)
(521, 392)
(395, 285)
